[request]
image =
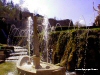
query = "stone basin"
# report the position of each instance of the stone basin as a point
(45, 68)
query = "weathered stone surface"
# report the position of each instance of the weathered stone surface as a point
(69, 49)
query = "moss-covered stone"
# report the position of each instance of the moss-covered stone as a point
(76, 48)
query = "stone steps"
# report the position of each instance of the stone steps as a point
(18, 52)
(13, 58)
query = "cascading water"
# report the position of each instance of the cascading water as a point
(84, 70)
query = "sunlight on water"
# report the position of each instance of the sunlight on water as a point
(45, 24)
(10, 73)
(28, 67)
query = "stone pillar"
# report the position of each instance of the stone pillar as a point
(36, 62)
(36, 38)
(36, 57)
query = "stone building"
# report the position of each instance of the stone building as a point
(65, 22)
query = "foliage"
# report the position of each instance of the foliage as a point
(8, 67)
(10, 10)
(71, 45)
(7, 11)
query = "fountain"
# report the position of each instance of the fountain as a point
(17, 36)
(27, 65)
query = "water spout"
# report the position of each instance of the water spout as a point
(45, 24)
(28, 39)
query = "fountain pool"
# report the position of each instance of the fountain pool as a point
(44, 69)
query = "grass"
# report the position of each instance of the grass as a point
(7, 67)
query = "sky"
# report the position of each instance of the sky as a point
(76, 10)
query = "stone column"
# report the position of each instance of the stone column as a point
(36, 57)
(36, 38)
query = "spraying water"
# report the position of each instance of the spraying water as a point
(28, 39)
(45, 24)
(29, 28)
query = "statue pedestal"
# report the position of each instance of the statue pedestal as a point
(36, 62)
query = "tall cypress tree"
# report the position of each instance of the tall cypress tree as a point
(20, 15)
(4, 2)
(12, 4)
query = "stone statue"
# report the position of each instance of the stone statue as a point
(97, 20)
